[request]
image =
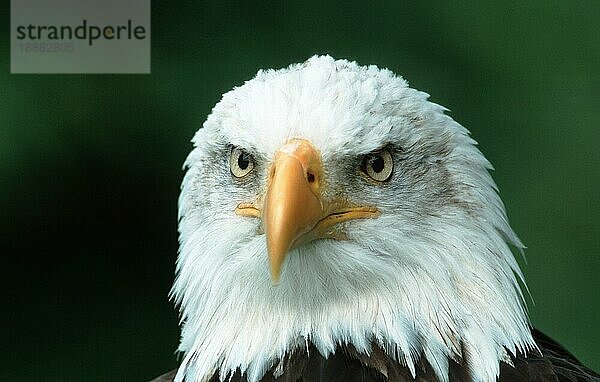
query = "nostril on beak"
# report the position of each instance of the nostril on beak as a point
(310, 177)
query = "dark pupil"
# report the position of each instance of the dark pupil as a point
(377, 163)
(243, 161)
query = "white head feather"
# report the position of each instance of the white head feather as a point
(432, 277)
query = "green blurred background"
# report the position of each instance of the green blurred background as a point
(90, 165)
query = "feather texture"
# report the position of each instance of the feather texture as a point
(553, 364)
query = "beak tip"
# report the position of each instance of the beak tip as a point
(276, 259)
(275, 277)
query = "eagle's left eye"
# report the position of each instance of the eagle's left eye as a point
(378, 165)
(240, 162)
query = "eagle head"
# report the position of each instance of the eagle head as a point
(330, 203)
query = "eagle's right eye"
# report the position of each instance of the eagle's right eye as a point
(378, 165)
(240, 162)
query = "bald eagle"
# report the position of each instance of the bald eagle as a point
(335, 225)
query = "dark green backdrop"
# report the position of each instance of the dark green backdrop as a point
(90, 165)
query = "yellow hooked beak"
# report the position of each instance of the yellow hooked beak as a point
(293, 210)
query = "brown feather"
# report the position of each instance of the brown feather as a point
(554, 364)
